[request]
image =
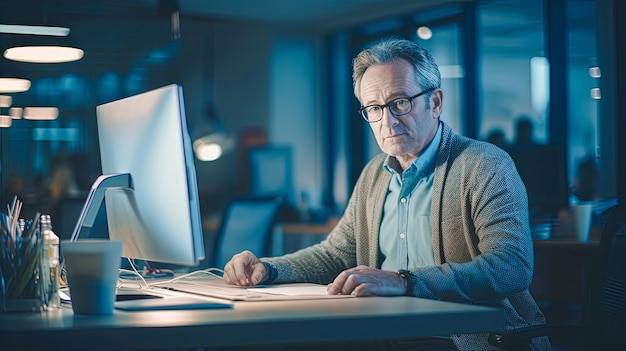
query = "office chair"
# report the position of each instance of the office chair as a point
(247, 224)
(603, 319)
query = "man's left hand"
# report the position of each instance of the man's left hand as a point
(367, 281)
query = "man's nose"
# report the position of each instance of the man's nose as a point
(388, 117)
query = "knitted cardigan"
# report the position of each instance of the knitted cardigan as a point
(480, 233)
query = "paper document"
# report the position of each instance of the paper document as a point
(292, 289)
(271, 292)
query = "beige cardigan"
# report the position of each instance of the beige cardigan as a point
(480, 231)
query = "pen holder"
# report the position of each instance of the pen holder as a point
(21, 248)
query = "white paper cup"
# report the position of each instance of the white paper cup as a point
(92, 271)
(581, 215)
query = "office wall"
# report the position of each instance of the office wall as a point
(235, 75)
(295, 109)
(257, 76)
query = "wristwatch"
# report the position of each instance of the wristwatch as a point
(406, 275)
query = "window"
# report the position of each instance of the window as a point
(583, 96)
(513, 79)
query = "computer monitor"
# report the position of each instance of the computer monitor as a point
(148, 186)
(544, 172)
(271, 171)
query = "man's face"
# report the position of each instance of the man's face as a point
(401, 136)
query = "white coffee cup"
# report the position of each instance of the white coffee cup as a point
(581, 215)
(92, 267)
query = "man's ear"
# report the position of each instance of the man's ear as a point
(436, 100)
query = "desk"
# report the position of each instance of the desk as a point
(308, 233)
(562, 270)
(248, 323)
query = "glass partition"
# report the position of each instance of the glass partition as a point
(513, 70)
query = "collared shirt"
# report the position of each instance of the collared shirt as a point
(405, 235)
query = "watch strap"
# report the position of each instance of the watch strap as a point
(406, 275)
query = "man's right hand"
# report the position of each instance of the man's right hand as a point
(245, 269)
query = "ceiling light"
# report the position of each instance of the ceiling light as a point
(16, 112)
(34, 30)
(595, 94)
(424, 33)
(5, 101)
(5, 121)
(208, 152)
(213, 141)
(43, 54)
(14, 85)
(41, 113)
(42, 49)
(213, 146)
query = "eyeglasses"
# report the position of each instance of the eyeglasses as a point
(399, 107)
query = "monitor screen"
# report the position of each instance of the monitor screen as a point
(544, 172)
(149, 186)
(270, 171)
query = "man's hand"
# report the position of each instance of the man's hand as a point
(245, 269)
(366, 281)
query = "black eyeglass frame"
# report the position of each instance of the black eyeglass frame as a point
(363, 113)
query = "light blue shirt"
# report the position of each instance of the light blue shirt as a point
(405, 235)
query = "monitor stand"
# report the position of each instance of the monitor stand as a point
(94, 201)
(123, 220)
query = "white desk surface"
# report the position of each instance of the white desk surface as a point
(248, 323)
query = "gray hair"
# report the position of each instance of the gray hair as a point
(427, 74)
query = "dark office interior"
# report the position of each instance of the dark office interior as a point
(271, 81)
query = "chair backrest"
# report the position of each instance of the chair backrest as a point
(246, 225)
(604, 310)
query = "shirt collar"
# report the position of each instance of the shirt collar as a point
(424, 163)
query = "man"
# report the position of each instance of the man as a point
(437, 216)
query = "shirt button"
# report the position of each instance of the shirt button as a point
(402, 236)
(403, 200)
